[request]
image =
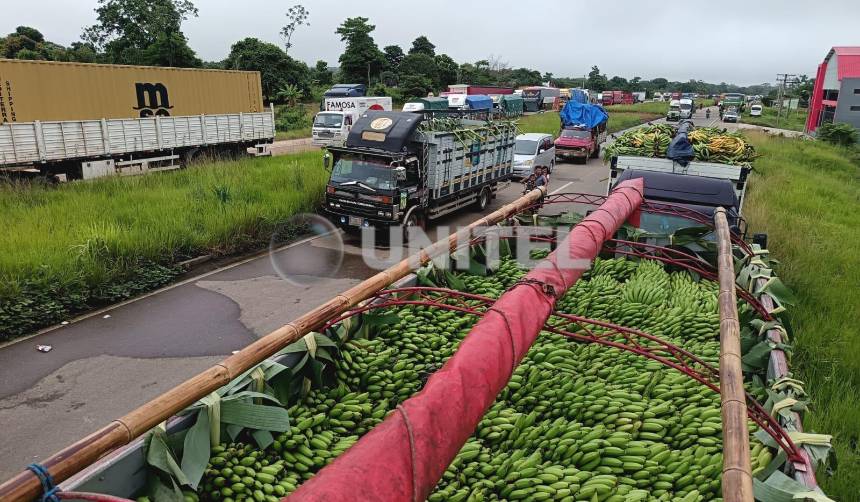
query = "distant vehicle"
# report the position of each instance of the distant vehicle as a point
(674, 113)
(617, 98)
(540, 98)
(533, 149)
(345, 91)
(639, 96)
(429, 103)
(686, 105)
(675, 95)
(730, 114)
(755, 110)
(478, 89)
(583, 130)
(390, 172)
(733, 99)
(456, 101)
(332, 126)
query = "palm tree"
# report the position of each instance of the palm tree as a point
(290, 93)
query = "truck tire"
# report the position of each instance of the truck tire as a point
(483, 200)
(412, 220)
(596, 153)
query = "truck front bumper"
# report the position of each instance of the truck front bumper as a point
(579, 152)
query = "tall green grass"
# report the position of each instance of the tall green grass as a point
(795, 121)
(83, 237)
(804, 194)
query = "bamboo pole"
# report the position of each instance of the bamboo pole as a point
(67, 462)
(737, 472)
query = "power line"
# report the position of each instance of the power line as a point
(782, 82)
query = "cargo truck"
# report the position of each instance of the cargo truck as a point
(617, 98)
(428, 103)
(674, 113)
(583, 129)
(402, 168)
(478, 89)
(331, 126)
(537, 99)
(75, 120)
(686, 106)
(698, 186)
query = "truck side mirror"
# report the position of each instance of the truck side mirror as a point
(400, 173)
(326, 160)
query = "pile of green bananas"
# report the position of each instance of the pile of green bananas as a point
(576, 422)
(710, 144)
(647, 141)
(716, 145)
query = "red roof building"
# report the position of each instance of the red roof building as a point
(836, 97)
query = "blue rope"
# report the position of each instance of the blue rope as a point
(49, 490)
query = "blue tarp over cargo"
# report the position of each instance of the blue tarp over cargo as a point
(584, 114)
(578, 96)
(479, 102)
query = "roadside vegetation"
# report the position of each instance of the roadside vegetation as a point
(77, 246)
(620, 117)
(795, 121)
(804, 196)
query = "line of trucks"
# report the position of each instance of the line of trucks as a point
(406, 168)
(75, 120)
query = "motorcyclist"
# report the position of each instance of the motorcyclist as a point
(707, 113)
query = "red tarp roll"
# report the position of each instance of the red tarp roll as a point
(404, 457)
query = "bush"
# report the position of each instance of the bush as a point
(288, 119)
(837, 134)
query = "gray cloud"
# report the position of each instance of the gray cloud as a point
(733, 41)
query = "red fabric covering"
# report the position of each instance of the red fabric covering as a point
(405, 456)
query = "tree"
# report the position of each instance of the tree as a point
(29, 43)
(547, 77)
(523, 77)
(447, 70)
(393, 56)
(143, 32)
(361, 57)
(596, 81)
(321, 73)
(290, 93)
(419, 64)
(297, 16)
(416, 86)
(277, 70)
(422, 45)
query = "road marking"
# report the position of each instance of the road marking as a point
(196, 278)
(559, 189)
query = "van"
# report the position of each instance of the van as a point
(755, 110)
(533, 149)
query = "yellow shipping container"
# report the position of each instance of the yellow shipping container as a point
(48, 90)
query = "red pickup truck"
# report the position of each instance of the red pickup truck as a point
(579, 143)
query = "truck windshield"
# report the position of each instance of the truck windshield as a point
(525, 147)
(685, 106)
(375, 175)
(328, 120)
(575, 133)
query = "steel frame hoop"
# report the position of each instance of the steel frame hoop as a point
(647, 206)
(754, 411)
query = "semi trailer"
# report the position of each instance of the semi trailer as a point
(88, 120)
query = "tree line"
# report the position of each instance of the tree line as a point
(148, 32)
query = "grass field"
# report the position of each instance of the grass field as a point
(795, 121)
(804, 195)
(81, 239)
(618, 120)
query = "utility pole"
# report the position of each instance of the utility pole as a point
(782, 81)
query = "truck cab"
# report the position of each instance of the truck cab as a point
(686, 106)
(331, 126)
(674, 112)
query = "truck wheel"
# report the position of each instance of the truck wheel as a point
(412, 221)
(483, 200)
(596, 153)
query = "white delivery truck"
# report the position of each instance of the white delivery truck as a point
(687, 110)
(331, 125)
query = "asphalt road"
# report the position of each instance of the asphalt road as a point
(104, 365)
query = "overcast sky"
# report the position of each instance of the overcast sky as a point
(743, 42)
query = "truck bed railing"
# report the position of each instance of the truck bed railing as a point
(39, 142)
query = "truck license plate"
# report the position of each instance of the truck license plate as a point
(355, 221)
